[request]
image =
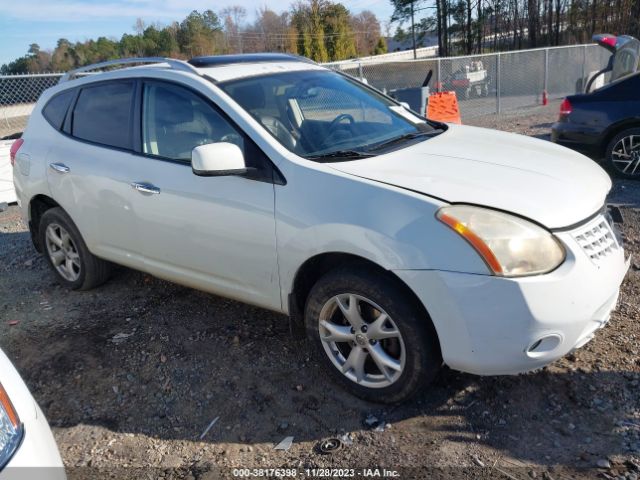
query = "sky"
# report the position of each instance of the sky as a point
(23, 22)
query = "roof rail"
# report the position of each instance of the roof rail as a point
(172, 62)
(220, 60)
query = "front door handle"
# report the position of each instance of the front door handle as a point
(59, 167)
(145, 188)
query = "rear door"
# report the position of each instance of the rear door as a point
(90, 164)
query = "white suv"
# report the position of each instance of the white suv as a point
(399, 243)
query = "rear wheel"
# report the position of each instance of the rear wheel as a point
(370, 335)
(67, 254)
(623, 154)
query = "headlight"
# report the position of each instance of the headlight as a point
(509, 245)
(10, 429)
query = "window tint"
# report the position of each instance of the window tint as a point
(176, 120)
(56, 108)
(103, 114)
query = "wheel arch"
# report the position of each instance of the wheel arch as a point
(315, 267)
(615, 129)
(38, 205)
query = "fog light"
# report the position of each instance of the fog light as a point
(544, 345)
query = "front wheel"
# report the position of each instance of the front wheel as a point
(623, 154)
(371, 335)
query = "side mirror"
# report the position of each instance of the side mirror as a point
(218, 159)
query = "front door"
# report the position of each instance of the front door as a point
(212, 233)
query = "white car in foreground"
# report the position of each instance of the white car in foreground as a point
(27, 447)
(399, 243)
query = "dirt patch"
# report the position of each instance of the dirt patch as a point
(131, 374)
(534, 121)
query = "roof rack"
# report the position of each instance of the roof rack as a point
(171, 62)
(219, 60)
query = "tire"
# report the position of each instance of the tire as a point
(623, 154)
(61, 242)
(416, 351)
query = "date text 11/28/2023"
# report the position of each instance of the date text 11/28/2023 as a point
(315, 473)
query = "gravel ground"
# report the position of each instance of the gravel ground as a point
(131, 374)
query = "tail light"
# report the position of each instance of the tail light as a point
(15, 146)
(610, 42)
(565, 108)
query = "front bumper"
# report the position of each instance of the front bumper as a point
(491, 325)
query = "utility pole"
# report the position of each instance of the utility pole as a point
(413, 31)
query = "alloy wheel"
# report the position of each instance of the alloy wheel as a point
(625, 156)
(63, 252)
(362, 341)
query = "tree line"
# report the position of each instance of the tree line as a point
(480, 26)
(319, 29)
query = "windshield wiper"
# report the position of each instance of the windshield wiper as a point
(346, 154)
(406, 136)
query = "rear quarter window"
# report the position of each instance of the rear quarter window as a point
(56, 109)
(103, 113)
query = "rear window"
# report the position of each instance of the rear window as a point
(625, 63)
(103, 114)
(57, 107)
(625, 60)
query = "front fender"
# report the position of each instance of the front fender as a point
(325, 211)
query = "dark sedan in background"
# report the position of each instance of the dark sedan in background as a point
(604, 124)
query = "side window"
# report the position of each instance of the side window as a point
(56, 108)
(103, 114)
(176, 120)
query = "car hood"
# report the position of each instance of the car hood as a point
(549, 184)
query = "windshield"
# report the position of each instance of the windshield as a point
(322, 115)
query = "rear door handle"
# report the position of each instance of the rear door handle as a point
(145, 188)
(59, 167)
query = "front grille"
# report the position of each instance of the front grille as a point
(597, 239)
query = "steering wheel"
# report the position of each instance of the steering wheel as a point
(333, 133)
(336, 121)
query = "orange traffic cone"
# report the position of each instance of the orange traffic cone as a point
(443, 107)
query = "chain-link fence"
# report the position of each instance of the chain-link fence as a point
(488, 84)
(18, 94)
